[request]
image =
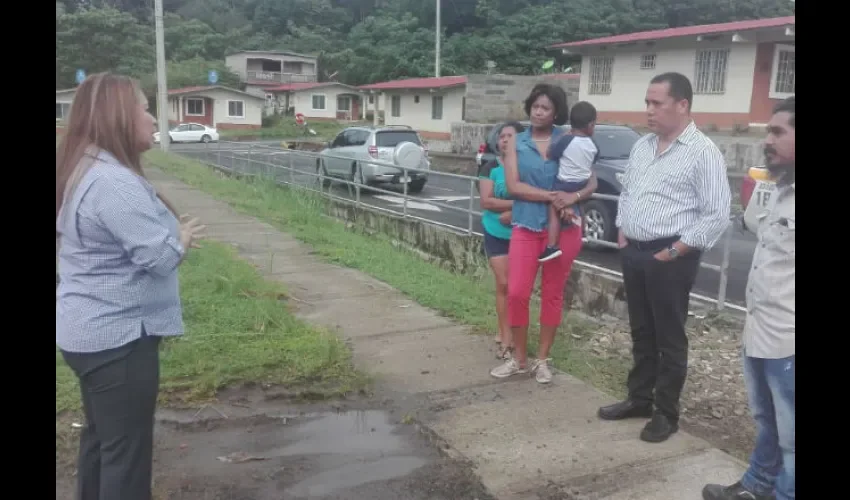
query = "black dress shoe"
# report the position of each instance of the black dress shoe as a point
(733, 492)
(625, 409)
(658, 429)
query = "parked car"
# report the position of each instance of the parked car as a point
(756, 190)
(190, 132)
(348, 156)
(615, 143)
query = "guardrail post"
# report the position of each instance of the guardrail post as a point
(250, 157)
(724, 268)
(471, 206)
(291, 167)
(219, 154)
(405, 179)
(358, 168)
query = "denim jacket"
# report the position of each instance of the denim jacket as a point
(536, 172)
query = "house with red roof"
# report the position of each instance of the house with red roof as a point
(738, 70)
(217, 106)
(319, 100)
(429, 105)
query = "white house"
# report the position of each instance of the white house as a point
(319, 100)
(429, 105)
(217, 106)
(738, 70)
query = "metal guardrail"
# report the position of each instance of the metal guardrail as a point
(259, 160)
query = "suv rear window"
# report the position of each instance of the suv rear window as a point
(391, 139)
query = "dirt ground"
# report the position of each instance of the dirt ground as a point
(268, 449)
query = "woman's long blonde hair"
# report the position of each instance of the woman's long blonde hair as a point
(103, 116)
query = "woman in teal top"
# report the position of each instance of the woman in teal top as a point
(496, 220)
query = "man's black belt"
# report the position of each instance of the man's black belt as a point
(653, 245)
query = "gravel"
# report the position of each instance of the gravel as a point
(714, 399)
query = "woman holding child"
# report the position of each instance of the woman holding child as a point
(531, 173)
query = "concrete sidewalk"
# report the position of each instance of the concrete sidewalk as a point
(527, 441)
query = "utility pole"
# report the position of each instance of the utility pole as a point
(161, 85)
(437, 44)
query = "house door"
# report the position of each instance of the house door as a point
(343, 107)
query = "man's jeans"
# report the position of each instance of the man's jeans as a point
(770, 383)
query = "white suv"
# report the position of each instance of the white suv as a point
(350, 156)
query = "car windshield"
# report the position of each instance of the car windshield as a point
(393, 138)
(615, 144)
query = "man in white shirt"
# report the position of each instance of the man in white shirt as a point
(770, 333)
(674, 206)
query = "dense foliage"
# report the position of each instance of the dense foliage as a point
(361, 41)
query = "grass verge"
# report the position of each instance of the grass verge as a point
(238, 329)
(288, 129)
(467, 298)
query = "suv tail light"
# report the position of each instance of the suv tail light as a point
(373, 151)
(482, 148)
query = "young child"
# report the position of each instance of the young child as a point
(577, 153)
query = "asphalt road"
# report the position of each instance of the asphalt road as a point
(443, 201)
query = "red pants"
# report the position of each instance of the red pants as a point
(526, 246)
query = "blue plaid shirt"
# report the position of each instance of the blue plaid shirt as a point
(118, 258)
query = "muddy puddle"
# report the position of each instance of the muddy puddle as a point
(340, 455)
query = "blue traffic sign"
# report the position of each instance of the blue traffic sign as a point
(213, 77)
(81, 75)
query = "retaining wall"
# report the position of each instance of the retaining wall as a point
(589, 290)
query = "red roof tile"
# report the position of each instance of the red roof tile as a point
(704, 29)
(418, 83)
(187, 90)
(202, 88)
(290, 87)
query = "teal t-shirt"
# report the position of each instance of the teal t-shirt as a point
(489, 219)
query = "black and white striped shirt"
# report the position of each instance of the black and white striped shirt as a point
(683, 191)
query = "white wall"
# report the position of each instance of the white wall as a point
(418, 115)
(629, 81)
(302, 101)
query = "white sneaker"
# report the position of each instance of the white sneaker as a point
(508, 368)
(543, 374)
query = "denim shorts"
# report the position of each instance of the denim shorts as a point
(495, 247)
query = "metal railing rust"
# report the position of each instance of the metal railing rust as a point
(300, 169)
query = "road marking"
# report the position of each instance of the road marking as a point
(439, 188)
(397, 200)
(449, 199)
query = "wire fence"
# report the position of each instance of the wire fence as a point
(320, 172)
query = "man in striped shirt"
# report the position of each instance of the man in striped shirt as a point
(770, 347)
(673, 207)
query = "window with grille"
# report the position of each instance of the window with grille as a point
(437, 107)
(395, 106)
(710, 71)
(782, 78)
(647, 61)
(195, 107)
(236, 109)
(62, 109)
(600, 75)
